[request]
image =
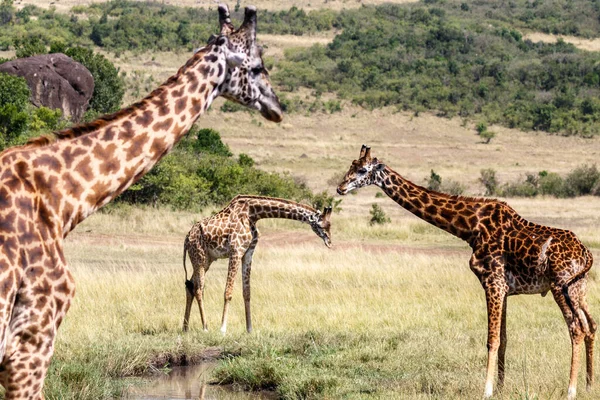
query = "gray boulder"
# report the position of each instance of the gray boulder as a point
(56, 81)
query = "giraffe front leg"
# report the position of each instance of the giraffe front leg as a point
(495, 298)
(246, 268)
(234, 264)
(502, 348)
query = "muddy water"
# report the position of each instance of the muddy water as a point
(189, 382)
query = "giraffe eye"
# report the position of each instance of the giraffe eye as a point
(362, 171)
(256, 70)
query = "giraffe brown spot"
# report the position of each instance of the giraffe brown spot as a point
(13, 184)
(69, 154)
(159, 146)
(71, 186)
(9, 246)
(144, 119)
(179, 92)
(137, 146)
(7, 223)
(35, 255)
(84, 168)
(202, 87)
(192, 81)
(163, 126)
(109, 134)
(196, 106)
(110, 164)
(180, 105)
(6, 200)
(101, 191)
(127, 131)
(6, 286)
(211, 58)
(204, 71)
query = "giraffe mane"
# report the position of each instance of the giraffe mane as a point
(85, 128)
(254, 197)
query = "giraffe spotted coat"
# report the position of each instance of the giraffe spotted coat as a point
(510, 256)
(232, 233)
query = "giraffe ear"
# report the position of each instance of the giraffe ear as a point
(234, 60)
(379, 167)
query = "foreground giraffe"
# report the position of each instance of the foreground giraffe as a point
(232, 233)
(510, 256)
(51, 184)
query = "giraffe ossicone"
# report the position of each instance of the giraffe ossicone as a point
(510, 256)
(51, 184)
(232, 233)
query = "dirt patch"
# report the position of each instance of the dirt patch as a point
(580, 43)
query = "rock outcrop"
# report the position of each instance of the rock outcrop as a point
(56, 81)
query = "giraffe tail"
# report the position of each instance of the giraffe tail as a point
(574, 279)
(189, 285)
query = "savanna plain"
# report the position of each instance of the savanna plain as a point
(391, 311)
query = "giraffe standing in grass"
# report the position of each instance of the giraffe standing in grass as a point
(232, 233)
(510, 256)
(50, 185)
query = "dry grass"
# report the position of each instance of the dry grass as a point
(580, 43)
(66, 5)
(389, 312)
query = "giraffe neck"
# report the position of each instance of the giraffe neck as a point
(454, 214)
(266, 207)
(90, 165)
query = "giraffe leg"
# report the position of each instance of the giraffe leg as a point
(189, 298)
(502, 348)
(590, 337)
(576, 333)
(199, 293)
(33, 325)
(495, 298)
(246, 268)
(234, 264)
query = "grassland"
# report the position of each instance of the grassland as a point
(66, 5)
(389, 312)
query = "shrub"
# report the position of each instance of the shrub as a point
(551, 184)
(434, 182)
(452, 187)
(323, 199)
(581, 181)
(378, 216)
(29, 46)
(209, 141)
(488, 179)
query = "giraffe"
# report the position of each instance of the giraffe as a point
(510, 256)
(232, 233)
(51, 184)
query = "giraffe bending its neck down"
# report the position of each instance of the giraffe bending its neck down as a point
(232, 233)
(50, 185)
(510, 256)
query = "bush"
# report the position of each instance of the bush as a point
(434, 182)
(323, 199)
(452, 187)
(209, 141)
(551, 184)
(378, 216)
(582, 181)
(488, 179)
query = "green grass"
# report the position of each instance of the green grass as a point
(375, 317)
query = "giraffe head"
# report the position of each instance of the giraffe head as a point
(247, 80)
(364, 171)
(321, 225)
